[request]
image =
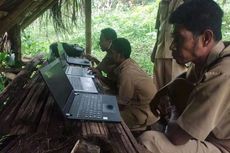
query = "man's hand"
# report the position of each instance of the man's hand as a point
(96, 72)
(92, 59)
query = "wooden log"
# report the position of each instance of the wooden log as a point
(9, 112)
(19, 125)
(10, 76)
(1, 2)
(10, 70)
(114, 139)
(3, 14)
(17, 83)
(133, 140)
(10, 145)
(45, 119)
(20, 80)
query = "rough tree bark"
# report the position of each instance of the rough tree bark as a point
(88, 13)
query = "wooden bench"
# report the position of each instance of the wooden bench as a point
(34, 123)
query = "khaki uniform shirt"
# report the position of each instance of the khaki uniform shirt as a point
(136, 90)
(164, 38)
(106, 65)
(207, 114)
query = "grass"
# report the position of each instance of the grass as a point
(134, 23)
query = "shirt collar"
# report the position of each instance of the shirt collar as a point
(122, 65)
(215, 53)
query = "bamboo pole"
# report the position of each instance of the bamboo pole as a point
(88, 13)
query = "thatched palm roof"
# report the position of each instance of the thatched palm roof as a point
(24, 12)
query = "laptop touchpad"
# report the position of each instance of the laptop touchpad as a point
(108, 108)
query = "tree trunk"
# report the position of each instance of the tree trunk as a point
(88, 26)
(15, 39)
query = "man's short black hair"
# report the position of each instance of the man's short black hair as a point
(199, 15)
(122, 47)
(109, 33)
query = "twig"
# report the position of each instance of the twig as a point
(75, 146)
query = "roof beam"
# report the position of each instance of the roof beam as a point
(15, 16)
(39, 11)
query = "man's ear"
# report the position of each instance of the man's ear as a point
(208, 36)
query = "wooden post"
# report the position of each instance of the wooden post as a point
(15, 39)
(88, 13)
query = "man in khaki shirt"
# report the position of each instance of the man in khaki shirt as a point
(204, 124)
(165, 67)
(135, 87)
(106, 65)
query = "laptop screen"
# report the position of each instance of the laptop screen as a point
(57, 82)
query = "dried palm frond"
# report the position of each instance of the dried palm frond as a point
(65, 14)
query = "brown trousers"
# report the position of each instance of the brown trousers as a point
(157, 142)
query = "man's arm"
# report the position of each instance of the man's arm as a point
(92, 59)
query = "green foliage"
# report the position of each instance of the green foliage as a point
(226, 22)
(6, 60)
(32, 44)
(135, 22)
(1, 84)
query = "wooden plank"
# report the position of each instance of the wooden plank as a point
(137, 146)
(22, 77)
(45, 119)
(10, 145)
(84, 130)
(114, 136)
(25, 103)
(103, 130)
(125, 140)
(9, 112)
(104, 127)
(16, 84)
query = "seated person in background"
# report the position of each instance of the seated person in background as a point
(58, 49)
(135, 87)
(106, 65)
(204, 124)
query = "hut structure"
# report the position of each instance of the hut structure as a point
(30, 121)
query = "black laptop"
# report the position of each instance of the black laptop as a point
(74, 70)
(79, 105)
(77, 61)
(78, 71)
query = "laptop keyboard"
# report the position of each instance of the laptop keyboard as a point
(76, 82)
(75, 70)
(89, 106)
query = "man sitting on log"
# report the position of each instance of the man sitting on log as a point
(204, 125)
(135, 87)
(106, 65)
